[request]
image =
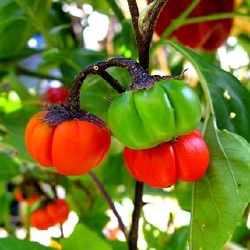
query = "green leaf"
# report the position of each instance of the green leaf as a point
(8, 167)
(84, 238)
(16, 26)
(61, 36)
(231, 100)
(221, 196)
(100, 6)
(241, 233)
(108, 171)
(13, 57)
(155, 238)
(93, 93)
(179, 240)
(15, 123)
(124, 42)
(72, 61)
(118, 245)
(14, 243)
(18, 87)
(96, 93)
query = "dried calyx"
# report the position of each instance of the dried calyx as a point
(61, 113)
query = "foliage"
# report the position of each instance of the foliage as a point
(42, 45)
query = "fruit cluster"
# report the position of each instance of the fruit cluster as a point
(185, 158)
(155, 119)
(54, 212)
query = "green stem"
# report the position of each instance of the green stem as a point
(218, 16)
(28, 213)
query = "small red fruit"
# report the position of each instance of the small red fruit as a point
(184, 159)
(73, 147)
(40, 219)
(56, 95)
(58, 210)
(21, 197)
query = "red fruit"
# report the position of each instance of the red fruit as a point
(58, 210)
(21, 197)
(191, 156)
(56, 95)
(54, 212)
(73, 147)
(185, 159)
(40, 219)
(208, 35)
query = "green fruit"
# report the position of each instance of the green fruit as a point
(147, 117)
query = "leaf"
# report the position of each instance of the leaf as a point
(241, 233)
(18, 87)
(14, 243)
(16, 122)
(8, 167)
(179, 240)
(93, 96)
(221, 196)
(96, 93)
(118, 245)
(61, 36)
(16, 27)
(231, 100)
(13, 57)
(124, 41)
(102, 6)
(84, 238)
(72, 61)
(150, 231)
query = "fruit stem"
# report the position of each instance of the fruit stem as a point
(109, 201)
(135, 70)
(61, 229)
(144, 30)
(143, 34)
(138, 203)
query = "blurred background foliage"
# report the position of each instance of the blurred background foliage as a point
(46, 43)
